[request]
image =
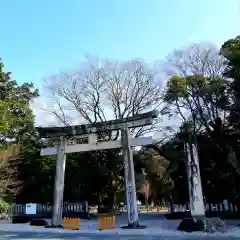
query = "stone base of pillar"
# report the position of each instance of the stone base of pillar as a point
(132, 226)
(201, 223)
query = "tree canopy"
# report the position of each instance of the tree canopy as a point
(202, 89)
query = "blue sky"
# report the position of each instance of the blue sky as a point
(41, 37)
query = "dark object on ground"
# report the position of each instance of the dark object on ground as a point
(205, 224)
(130, 226)
(191, 225)
(38, 222)
(54, 226)
(27, 218)
(20, 219)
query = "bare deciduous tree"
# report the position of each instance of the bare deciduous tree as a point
(199, 92)
(100, 90)
(196, 59)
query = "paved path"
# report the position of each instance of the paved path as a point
(93, 236)
(21, 232)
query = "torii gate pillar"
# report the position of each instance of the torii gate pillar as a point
(131, 195)
(59, 183)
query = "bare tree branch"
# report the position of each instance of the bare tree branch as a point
(197, 59)
(101, 90)
(201, 104)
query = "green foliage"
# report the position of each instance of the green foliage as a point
(36, 174)
(197, 98)
(176, 88)
(4, 206)
(231, 50)
(17, 125)
(16, 115)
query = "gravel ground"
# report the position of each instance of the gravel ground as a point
(157, 228)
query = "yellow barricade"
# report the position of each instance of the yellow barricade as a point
(71, 223)
(106, 222)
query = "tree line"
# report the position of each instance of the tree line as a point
(200, 91)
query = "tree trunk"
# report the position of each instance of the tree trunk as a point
(114, 207)
(99, 203)
(171, 203)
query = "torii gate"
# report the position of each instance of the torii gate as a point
(91, 131)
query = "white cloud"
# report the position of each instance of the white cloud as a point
(42, 118)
